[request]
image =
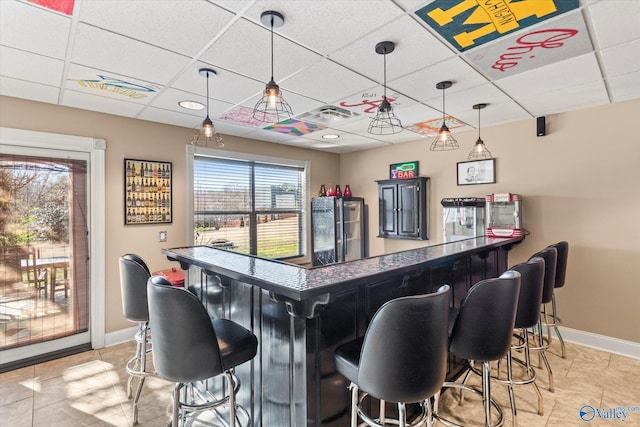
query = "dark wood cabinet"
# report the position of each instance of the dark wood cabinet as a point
(403, 208)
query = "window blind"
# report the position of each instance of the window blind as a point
(250, 207)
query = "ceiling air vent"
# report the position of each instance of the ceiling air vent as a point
(328, 115)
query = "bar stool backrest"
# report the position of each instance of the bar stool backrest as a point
(134, 274)
(550, 256)
(530, 299)
(484, 326)
(185, 345)
(561, 268)
(404, 354)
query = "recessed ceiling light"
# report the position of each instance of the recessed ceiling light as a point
(331, 136)
(191, 105)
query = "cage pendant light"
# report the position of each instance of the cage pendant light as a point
(272, 108)
(444, 140)
(207, 134)
(479, 150)
(385, 122)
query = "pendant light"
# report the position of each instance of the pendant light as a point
(444, 140)
(385, 122)
(479, 150)
(207, 133)
(272, 108)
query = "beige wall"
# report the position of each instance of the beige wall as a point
(578, 183)
(129, 138)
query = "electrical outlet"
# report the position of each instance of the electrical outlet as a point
(162, 236)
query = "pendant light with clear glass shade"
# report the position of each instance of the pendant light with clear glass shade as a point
(479, 150)
(272, 108)
(385, 122)
(444, 140)
(207, 133)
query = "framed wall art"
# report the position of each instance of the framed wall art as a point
(477, 172)
(147, 192)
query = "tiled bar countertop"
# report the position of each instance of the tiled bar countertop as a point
(299, 283)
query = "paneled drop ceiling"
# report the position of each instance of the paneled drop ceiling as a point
(139, 58)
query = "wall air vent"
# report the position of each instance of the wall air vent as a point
(328, 115)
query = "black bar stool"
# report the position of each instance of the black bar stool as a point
(552, 320)
(482, 332)
(527, 316)
(550, 256)
(134, 274)
(189, 346)
(402, 358)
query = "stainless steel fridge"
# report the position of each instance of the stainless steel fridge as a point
(337, 229)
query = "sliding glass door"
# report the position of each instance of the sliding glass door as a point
(44, 251)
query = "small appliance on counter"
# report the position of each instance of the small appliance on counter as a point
(504, 215)
(462, 218)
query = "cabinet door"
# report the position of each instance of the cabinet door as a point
(352, 229)
(408, 209)
(388, 209)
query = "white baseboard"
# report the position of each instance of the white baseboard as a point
(123, 335)
(601, 342)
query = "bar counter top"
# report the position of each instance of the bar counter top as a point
(300, 283)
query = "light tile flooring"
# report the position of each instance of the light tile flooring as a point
(89, 389)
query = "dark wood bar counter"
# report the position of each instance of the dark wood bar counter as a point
(300, 315)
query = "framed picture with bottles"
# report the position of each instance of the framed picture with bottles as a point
(148, 190)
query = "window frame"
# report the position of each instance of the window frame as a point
(193, 151)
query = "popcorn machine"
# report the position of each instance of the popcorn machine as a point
(504, 215)
(463, 218)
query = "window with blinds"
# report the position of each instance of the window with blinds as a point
(249, 206)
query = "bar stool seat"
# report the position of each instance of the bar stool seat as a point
(482, 333)
(134, 274)
(401, 358)
(190, 347)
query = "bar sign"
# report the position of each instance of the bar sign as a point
(405, 170)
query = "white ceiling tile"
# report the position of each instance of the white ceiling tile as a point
(28, 90)
(31, 28)
(102, 104)
(571, 72)
(415, 48)
(625, 86)
(421, 84)
(168, 100)
(566, 99)
(622, 58)
(104, 50)
(225, 85)
(326, 81)
(23, 65)
(170, 118)
(181, 26)
(460, 103)
(310, 19)
(615, 21)
(246, 49)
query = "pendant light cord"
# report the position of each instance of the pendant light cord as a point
(272, 47)
(385, 75)
(207, 94)
(479, 122)
(443, 108)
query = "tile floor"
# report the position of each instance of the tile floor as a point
(89, 389)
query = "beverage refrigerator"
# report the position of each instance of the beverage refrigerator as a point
(337, 229)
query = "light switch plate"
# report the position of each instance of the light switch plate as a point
(162, 236)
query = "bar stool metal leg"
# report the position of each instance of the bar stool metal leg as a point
(137, 366)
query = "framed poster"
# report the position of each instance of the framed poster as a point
(147, 192)
(477, 172)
